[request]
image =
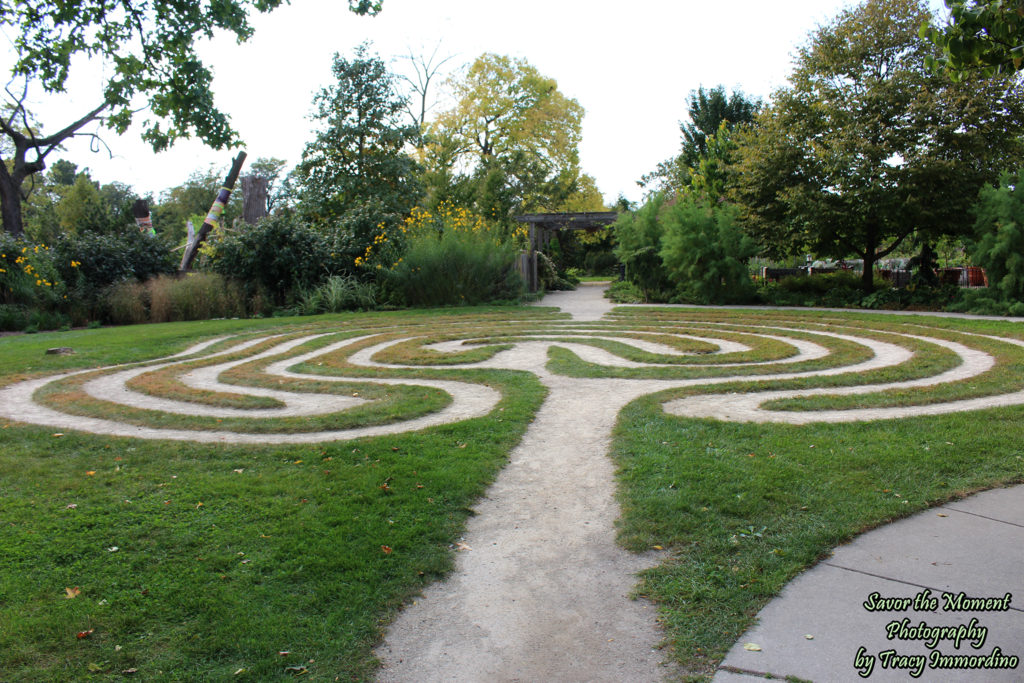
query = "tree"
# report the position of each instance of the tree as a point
(149, 50)
(1000, 236)
(983, 37)
(706, 253)
(710, 111)
(359, 158)
(512, 132)
(425, 70)
(867, 147)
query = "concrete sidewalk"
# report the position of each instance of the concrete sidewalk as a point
(974, 546)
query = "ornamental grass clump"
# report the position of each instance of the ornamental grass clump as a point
(454, 257)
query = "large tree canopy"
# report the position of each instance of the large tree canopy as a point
(148, 48)
(513, 133)
(983, 37)
(360, 155)
(711, 112)
(867, 146)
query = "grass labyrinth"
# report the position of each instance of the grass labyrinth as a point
(248, 500)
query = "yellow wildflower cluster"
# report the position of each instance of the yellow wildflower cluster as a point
(378, 242)
(447, 218)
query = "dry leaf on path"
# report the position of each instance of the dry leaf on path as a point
(753, 647)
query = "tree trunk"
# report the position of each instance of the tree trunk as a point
(254, 198)
(10, 203)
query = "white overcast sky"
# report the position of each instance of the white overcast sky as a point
(631, 65)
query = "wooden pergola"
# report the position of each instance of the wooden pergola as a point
(543, 226)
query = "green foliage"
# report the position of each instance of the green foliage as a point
(278, 256)
(359, 157)
(195, 296)
(57, 206)
(90, 262)
(28, 276)
(867, 147)
(456, 266)
(705, 253)
(710, 111)
(624, 292)
(516, 133)
(639, 247)
(336, 294)
(999, 235)
(151, 51)
(984, 37)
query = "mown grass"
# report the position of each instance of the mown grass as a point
(202, 562)
(743, 508)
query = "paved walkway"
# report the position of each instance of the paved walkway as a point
(820, 628)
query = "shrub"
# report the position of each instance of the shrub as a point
(90, 262)
(639, 248)
(280, 255)
(28, 276)
(999, 231)
(623, 292)
(600, 263)
(706, 253)
(453, 257)
(196, 296)
(126, 303)
(338, 293)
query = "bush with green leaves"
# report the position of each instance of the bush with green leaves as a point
(452, 258)
(277, 257)
(28, 275)
(336, 294)
(639, 236)
(705, 252)
(90, 262)
(999, 235)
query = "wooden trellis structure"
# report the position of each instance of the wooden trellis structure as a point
(544, 226)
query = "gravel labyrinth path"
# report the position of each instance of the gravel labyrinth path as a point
(540, 590)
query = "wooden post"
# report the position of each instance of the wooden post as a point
(213, 218)
(254, 198)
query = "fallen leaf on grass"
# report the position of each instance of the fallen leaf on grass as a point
(84, 634)
(90, 473)
(71, 506)
(284, 653)
(296, 670)
(113, 549)
(129, 672)
(72, 593)
(59, 434)
(239, 470)
(753, 647)
(386, 549)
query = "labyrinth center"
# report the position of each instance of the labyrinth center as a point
(306, 387)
